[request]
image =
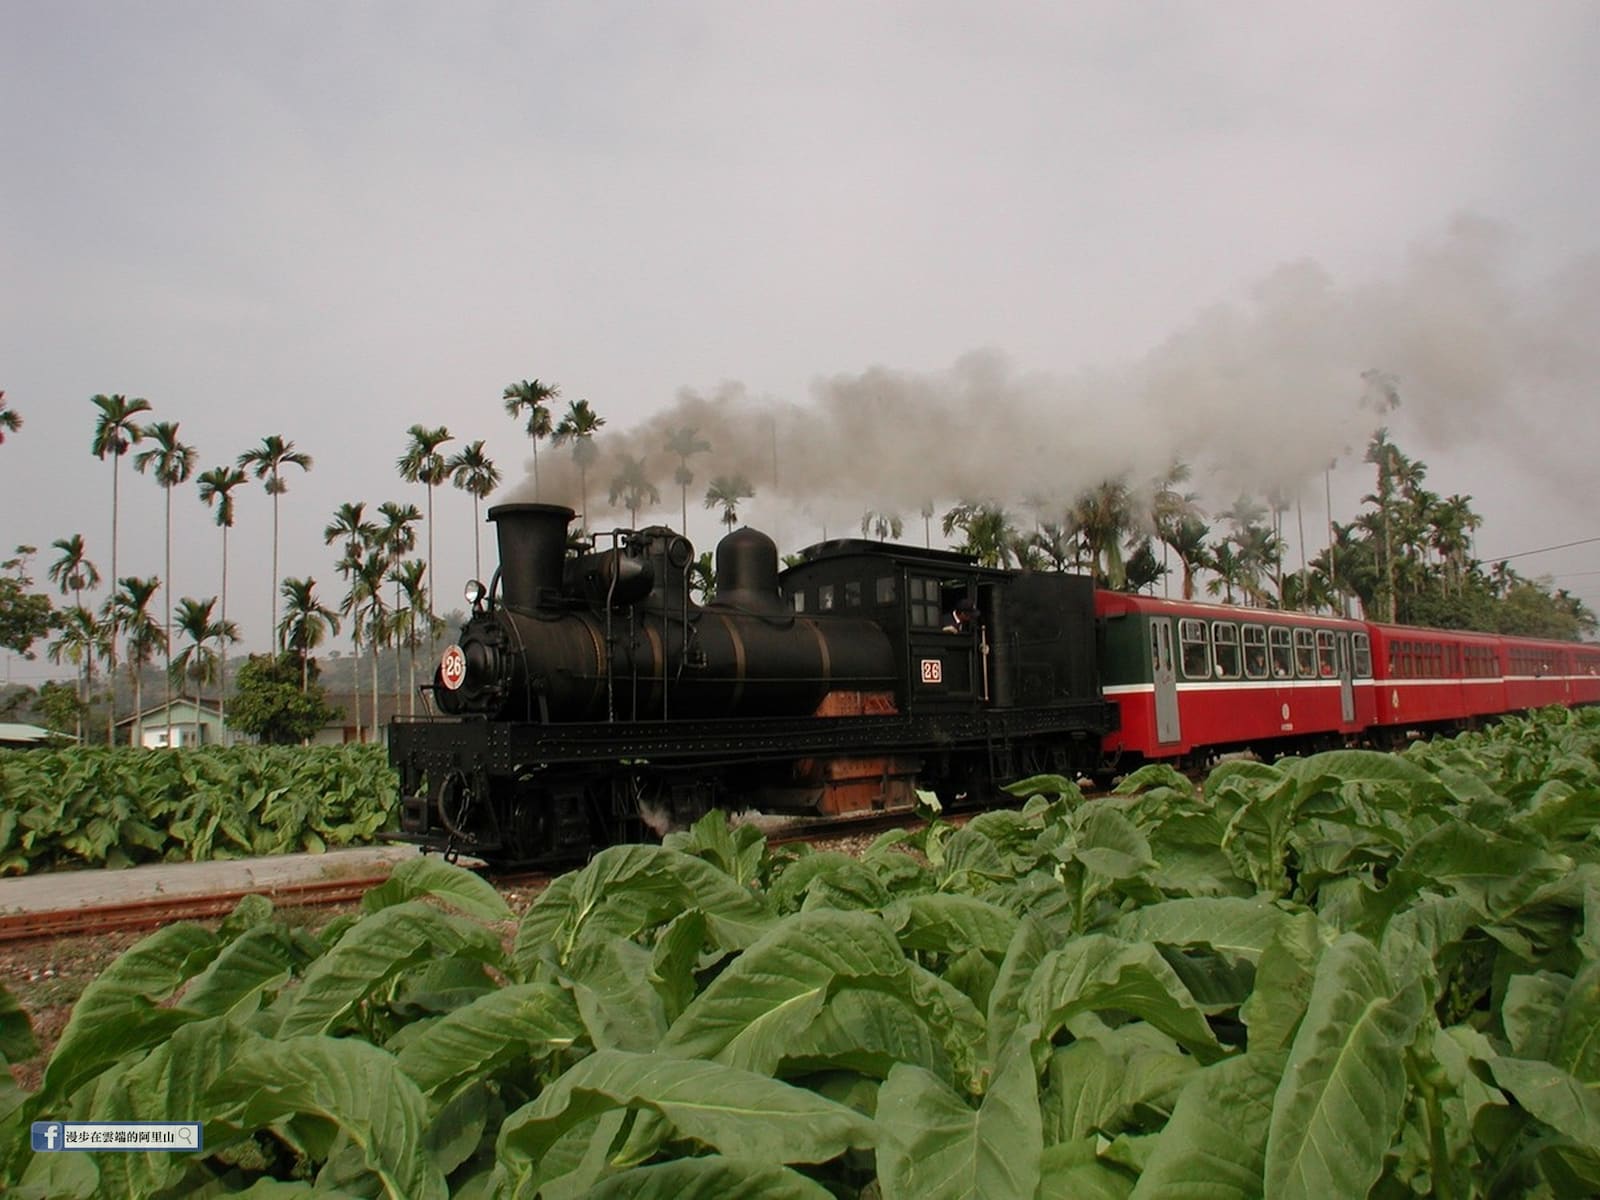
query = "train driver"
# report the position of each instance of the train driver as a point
(964, 618)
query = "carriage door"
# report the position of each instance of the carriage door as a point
(1347, 689)
(1165, 675)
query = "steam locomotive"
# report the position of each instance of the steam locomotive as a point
(590, 700)
(589, 697)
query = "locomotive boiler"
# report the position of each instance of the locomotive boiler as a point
(612, 634)
(589, 698)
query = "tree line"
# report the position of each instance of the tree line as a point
(1406, 557)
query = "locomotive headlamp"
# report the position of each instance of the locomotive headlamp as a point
(475, 592)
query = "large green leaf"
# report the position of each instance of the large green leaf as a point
(772, 992)
(372, 952)
(1343, 1092)
(172, 1083)
(711, 1177)
(258, 960)
(1497, 874)
(1553, 1096)
(867, 1032)
(1075, 1171)
(343, 1086)
(1577, 1034)
(1531, 1013)
(1097, 973)
(530, 1020)
(1094, 1085)
(1225, 923)
(739, 1113)
(1214, 1146)
(950, 923)
(119, 1012)
(1027, 950)
(936, 1147)
(447, 882)
(611, 980)
(627, 890)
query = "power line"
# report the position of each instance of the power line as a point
(1542, 550)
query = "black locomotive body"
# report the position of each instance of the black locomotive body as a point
(589, 697)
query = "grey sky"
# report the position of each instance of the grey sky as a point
(1156, 227)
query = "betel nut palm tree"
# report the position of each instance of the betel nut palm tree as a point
(197, 661)
(10, 419)
(350, 526)
(267, 462)
(172, 462)
(307, 623)
(474, 472)
(73, 572)
(115, 430)
(422, 463)
(578, 426)
(130, 605)
(633, 488)
(216, 487)
(535, 397)
(685, 442)
(725, 493)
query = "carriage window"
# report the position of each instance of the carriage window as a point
(852, 593)
(1162, 663)
(1196, 648)
(1327, 664)
(825, 598)
(1225, 649)
(1305, 654)
(1363, 654)
(885, 589)
(1282, 658)
(1255, 651)
(798, 601)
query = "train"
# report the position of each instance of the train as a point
(589, 699)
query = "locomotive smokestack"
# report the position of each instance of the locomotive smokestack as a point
(533, 541)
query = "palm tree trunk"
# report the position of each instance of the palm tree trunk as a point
(355, 676)
(166, 625)
(477, 540)
(430, 552)
(111, 667)
(374, 633)
(273, 632)
(222, 644)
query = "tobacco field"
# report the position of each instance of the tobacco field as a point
(118, 807)
(1346, 975)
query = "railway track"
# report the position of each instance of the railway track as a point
(152, 912)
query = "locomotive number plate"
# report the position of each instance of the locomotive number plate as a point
(933, 670)
(453, 668)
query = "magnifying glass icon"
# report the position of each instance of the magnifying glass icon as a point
(186, 1135)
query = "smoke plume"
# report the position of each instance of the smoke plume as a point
(1257, 396)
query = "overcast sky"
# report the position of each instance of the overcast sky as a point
(931, 249)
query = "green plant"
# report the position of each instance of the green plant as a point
(1347, 975)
